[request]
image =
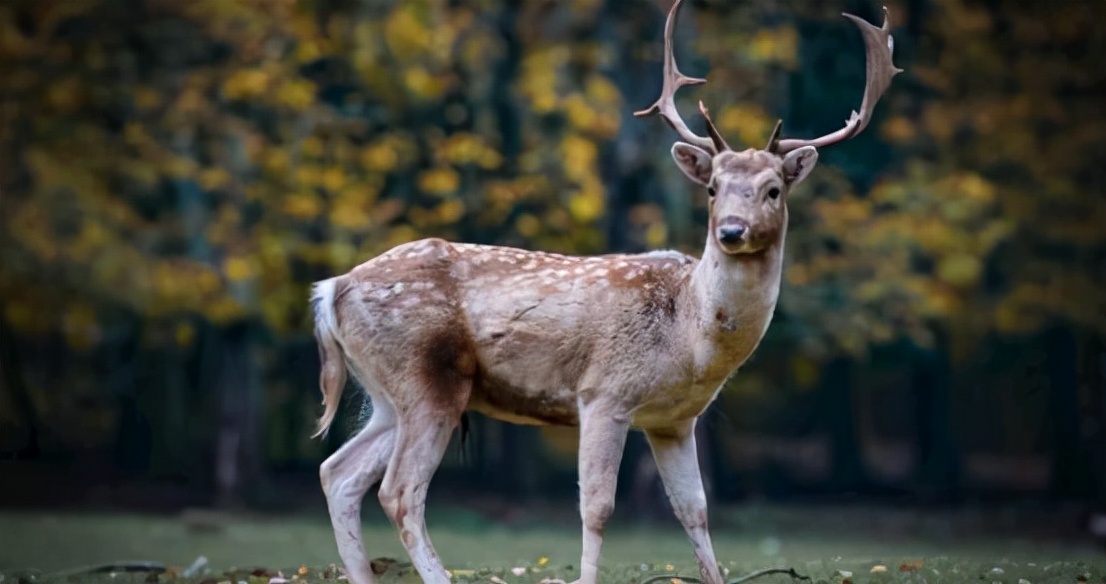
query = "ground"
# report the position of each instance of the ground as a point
(831, 544)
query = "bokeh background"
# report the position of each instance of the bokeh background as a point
(174, 175)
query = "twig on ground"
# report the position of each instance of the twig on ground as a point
(789, 571)
(746, 578)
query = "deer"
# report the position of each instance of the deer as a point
(432, 329)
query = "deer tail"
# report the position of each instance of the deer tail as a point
(332, 375)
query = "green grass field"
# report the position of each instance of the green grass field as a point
(831, 545)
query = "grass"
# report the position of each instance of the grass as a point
(826, 544)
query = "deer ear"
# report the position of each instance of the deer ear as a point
(694, 161)
(798, 163)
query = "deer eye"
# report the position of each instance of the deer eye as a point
(710, 191)
(774, 193)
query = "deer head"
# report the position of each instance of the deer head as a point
(748, 189)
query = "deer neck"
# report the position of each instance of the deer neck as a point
(733, 299)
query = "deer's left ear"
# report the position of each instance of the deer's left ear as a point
(798, 163)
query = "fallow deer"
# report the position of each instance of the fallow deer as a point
(431, 329)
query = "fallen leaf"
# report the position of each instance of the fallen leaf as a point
(910, 566)
(518, 570)
(878, 569)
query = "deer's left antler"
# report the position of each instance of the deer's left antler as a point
(879, 46)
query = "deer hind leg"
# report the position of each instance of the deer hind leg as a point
(347, 475)
(602, 439)
(423, 436)
(678, 464)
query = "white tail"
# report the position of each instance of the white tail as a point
(608, 343)
(332, 377)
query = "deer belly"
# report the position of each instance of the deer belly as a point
(533, 406)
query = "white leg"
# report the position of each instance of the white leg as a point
(678, 464)
(602, 438)
(346, 476)
(420, 445)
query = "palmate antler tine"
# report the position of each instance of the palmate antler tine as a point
(879, 48)
(673, 81)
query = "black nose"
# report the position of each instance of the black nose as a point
(731, 233)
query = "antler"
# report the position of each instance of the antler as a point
(673, 81)
(879, 46)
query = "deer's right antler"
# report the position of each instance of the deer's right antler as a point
(673, 81)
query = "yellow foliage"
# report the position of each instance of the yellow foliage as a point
(805, 372)
(586, 205)
(301, 206)
(246, 84)
(778, 45)
(439, 181)
(528, 225)
(295, 94)
(312, 146)
(211, 179)
(656, 235)
(81, 327)
(238, 268)
(23, 317)
(276, 160)
(66, 95)
(333, 178)
(960, 269)
(466, 148)
(382, 156)
(579, 113)
(450, 211)
(146, 98)
(184, 334)
(579, 156)
(405, 35)
(423, 85)
(898, 129)
(179, 167)
(748, 120)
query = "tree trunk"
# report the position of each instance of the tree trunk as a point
(848, 472)
(938, 458)
(1070, 461)
(238, 439)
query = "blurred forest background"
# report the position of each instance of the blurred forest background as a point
(174, 175)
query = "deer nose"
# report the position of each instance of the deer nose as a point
(731, 233)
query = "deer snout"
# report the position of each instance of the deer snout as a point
(732, 231)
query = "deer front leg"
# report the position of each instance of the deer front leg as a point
(602, 438)
(678, 464)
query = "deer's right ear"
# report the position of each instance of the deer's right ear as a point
(694, 161)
